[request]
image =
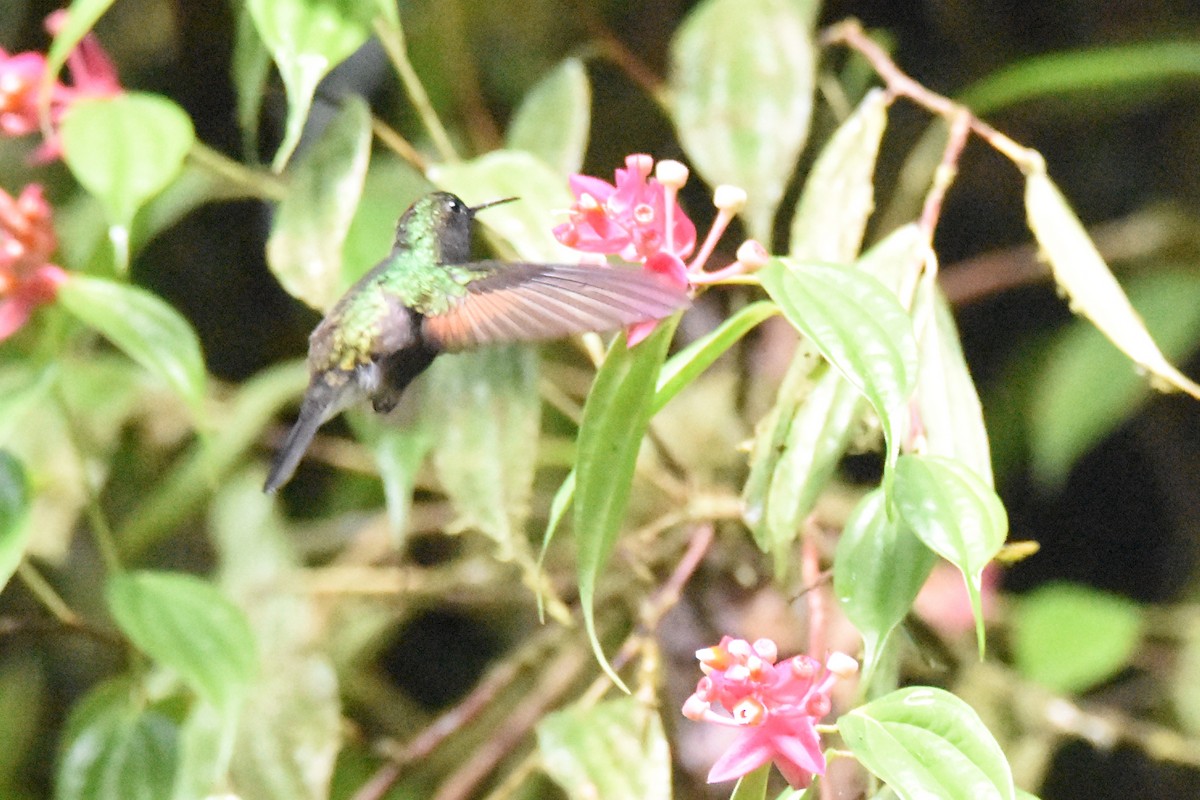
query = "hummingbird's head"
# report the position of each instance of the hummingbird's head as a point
(442, 222)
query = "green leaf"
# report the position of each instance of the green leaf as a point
(839, 193)
(951, 414)
(185, 624)
(554, 119)
(611, 751)
(925, 743)
(304, 250)
(205, 746)
(956, 514)
(289, 732)
(250, 69)
(1147, 64)
(144, 327)
(391, 185)
(1184, 688)
(125, 149)
(526, 225)
(753, 785)
(400, 451)
(686, 365)
(615, 417)
(116, 749)
(816, 440)
(82, 16)
(740, 94)
(23, 698)
(879, 568)
(859, 327)
(485, 413)
(14, 506)
(308, 38)
(1070, 637)
(1086, 387)
(1093, 291)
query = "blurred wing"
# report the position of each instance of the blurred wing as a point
(531, 302)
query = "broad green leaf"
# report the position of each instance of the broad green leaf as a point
(391, 185)
(879, 568)
(839, 193)
(752, 786)
(23, 391)
(956, 514)
(184, 623)
(115, 748)
(859, 327)
(554, 119)
(1086, 387)
(125, 149)
(144, 327)
(897, 260)
(485, 413)
(289, 732)
(250, 70)
(1071, 637)
(686, 365)
(82, 16)
(205, 746)
(951, 415)
(400, 450)
(1093, 291)
(740, 94)
(615, 417)
(308, 38)
(304, 250)
(14, 505)
(926, 743)
(611, 751)
(189, 482)
(816, 439)
(1097, 69)
(526, 225)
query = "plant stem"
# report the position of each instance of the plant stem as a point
(392, 38)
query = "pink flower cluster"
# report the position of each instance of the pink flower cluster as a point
(22, 77)
(27, 241)
(774, 704)
(638, 219)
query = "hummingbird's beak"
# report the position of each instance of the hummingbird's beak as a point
(476, 209)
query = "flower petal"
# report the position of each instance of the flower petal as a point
(798, 742)
(749, 751)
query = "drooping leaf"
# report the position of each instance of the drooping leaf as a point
(953, 511)
(250, 69)
(400, 451)
(879, 568)
(304, 250)
(839, 193)
(144, 327)
(554, 119)
(14, 505)
(615, 417)
(308, 38)
(613, 750)
(1087, 387)
(924, 743)
(1115, 68)
(526, 224)
(1071, 637)
(859, 327)
(184, 623)
(125, 149)
(740, 94)
(951, 414)
(1093, 291)
(116, 749)
(752, 786)
(485, 413)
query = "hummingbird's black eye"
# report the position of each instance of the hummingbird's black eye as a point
(456, 205)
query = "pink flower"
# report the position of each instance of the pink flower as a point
(27, 279)
(775, 706)
(21, 76)
(638, 219)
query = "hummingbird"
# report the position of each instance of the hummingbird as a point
(427, 297)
